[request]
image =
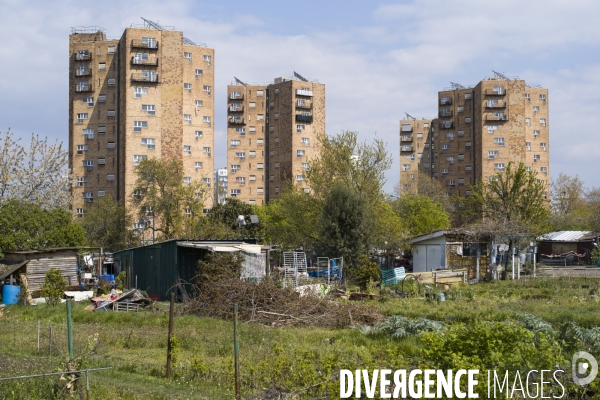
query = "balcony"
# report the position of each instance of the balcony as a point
(492, 105)
(236, 96)
(83, 72)
(152, 61)
(407, 138)
(446, 125)
(406, 129)
(306, 105)
(445, 101)
(492, 92)
(497, 118)
(304, 92)
(83, 88)
(236, 120)
(139, 44)
(445, 113)
(406, 148)
(303, 118)
(138, 77)
(239, 108)
(82, 57)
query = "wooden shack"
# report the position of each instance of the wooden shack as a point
(35, 263)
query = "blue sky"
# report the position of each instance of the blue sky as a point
(378, 60)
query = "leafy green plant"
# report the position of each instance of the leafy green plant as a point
(120, 279)
(400, 327)
(53, 287)
(364, 272)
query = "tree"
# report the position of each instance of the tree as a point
(28, 226)
(38, 174)
(107, 224)
(227, 215)
(511, 204)
(568, 204)
(593, 202)
(420, 214)
(53, 287)
(344, 224)
(425, 186)
(160, 190)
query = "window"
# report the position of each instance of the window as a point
(198, 73)
(235, 192)
(445, 112)
(536, 133)
(276, 165)
(543, 146)
(450, 135)
(260, 142)
(300, 128)
(207, 58)
(111, 114)
(451, 183)
(467, 120)
(260, 165)
(536, 157)
(446, 100)
(148, 142)
(198, 134)
(206, 150)
(305, 165)
(499, 141)
(110, 146)
(149, 108)
(81, 148)
(467, 144)
(467, 96)
(88, 195)
(272, 153)
(260, 93)
(426, 145)
(101, 161)
(528, 121)
(445, 147)
(101, 98)
(81, 180)
(101, 66)
(492, 128)
(252, 105)
(299, 178)
(461, 157)
(499, 167)
(468, 168)
(498, 89)
(137, 159)
(260, 117)
(543, 121)
(492, 153)
(252, 178)
(235, 167)
(405, 167)
(188, 87)
(241, 154)
(461, 133)
(112, 81)
(187, 149)
(252, 129)
(235, 143)
(149, 42)
(461, 181)
(101, 129)
(544, 170)
(188, 55)
(138, 125)
(446, 124)
(300, 153)
(101, 193)
(199, 103)
(206, 119)
(88, 163)
(527, 169)
(206, 89)
(89, 101)
(241, 131)
(450, 159)
(252, 153)
(536, 109)
(81, 117)
(88, 133)
(306, 141)
(188, 118)
(543, 97)
(139, 91)
(528, 145)
(111, 50)
(198, 165)
(461, 109)
(187, 180)
(445, 170)
(426, 165)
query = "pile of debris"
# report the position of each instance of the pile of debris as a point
(267, 303)
(117, 300)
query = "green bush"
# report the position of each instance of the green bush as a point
(363, 272)
(53, 287)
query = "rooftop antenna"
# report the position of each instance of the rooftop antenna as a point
(239, 82)
(498, 75)
(153, 24)
(456, 86)
(297, 75)
(410, 116)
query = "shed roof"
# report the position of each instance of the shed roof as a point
(52, 250)
(428, 236)
(564, 236)
(220, 247)
(7, 269)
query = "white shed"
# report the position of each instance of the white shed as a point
(429, 252)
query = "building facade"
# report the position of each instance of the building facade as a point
(271, 135)
(147, 94)
(220, 185)
(478, 131)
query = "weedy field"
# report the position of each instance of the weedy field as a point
(528, 324)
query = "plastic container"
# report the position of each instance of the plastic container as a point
(108, 277)
(10, 294)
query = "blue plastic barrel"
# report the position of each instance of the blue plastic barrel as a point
(10, 294)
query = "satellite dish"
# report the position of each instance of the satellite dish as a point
(254, 219)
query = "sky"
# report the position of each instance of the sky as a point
(378, 60)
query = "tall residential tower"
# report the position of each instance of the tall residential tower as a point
(147, 94)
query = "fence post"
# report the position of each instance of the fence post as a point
(169, 335)
(50, 341)
(236, 350)
(69, 330)
(38, 337)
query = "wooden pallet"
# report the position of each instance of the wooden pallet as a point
(126, 307)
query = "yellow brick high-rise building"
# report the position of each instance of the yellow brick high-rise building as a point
(147, 94)
(479, 130)
(272, 135)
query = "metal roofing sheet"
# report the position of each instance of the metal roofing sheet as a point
(564, 236)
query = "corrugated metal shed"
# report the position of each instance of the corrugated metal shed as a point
(564, 236)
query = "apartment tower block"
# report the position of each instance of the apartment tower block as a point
(271, 133)
(478, 131)
(147, 94)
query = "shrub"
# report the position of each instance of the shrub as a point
(53, 287)
(364, 271)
